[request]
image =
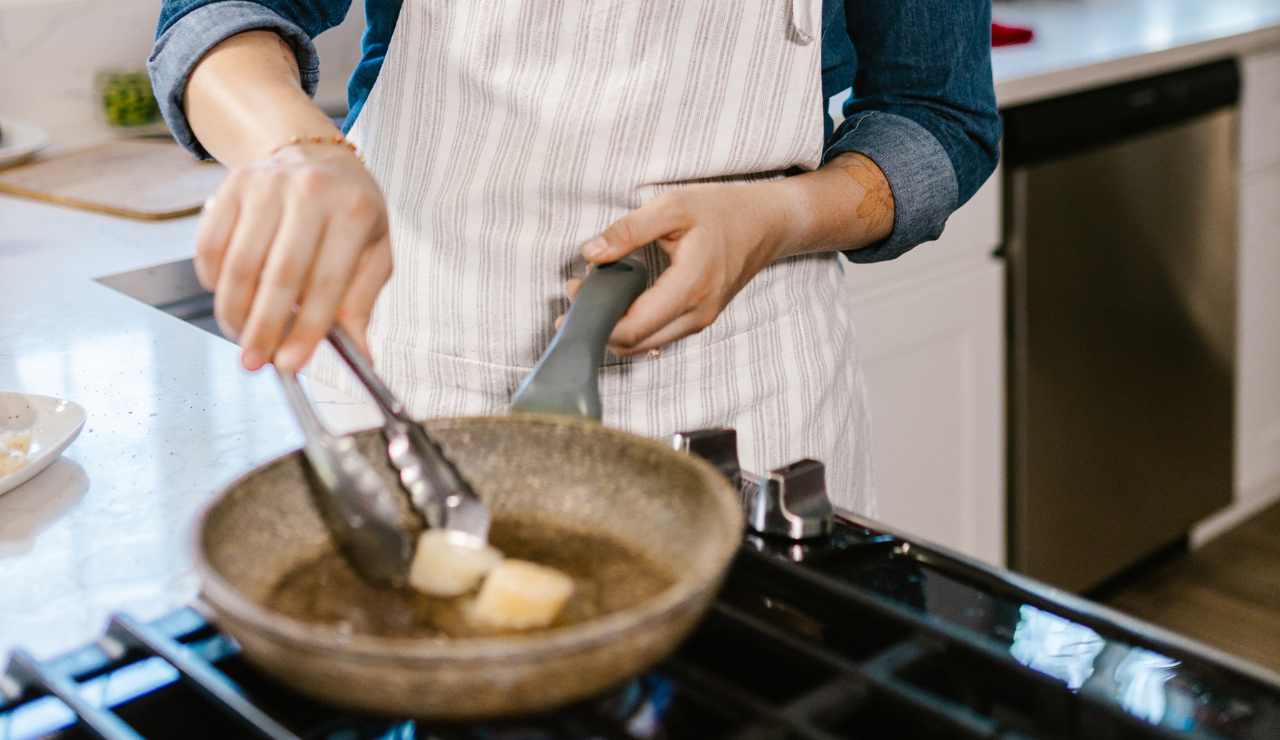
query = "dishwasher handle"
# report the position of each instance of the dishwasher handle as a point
(1042, 131)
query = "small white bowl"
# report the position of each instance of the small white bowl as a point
(19, 141)
(53, 423)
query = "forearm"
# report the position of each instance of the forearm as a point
(846, 204)
(244, 99)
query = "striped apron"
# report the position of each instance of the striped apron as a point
(505, 134)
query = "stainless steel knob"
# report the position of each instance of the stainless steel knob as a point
(790, 502)
(717, 446)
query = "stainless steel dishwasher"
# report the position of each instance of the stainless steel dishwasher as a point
(1121, 245)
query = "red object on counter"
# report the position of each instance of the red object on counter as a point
(1002, 35)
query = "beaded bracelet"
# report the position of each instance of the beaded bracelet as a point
(336, 139)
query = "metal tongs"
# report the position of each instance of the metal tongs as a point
(368, 518)
(365, 515)
(436, 487)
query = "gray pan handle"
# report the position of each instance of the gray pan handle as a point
(565, 380)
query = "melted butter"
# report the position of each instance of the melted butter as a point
(607, 577)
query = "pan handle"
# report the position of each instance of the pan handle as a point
(565, 379)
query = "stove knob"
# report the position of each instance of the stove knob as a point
(717, 446)
(790, 502)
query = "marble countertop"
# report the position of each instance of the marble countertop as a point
(1086, 43)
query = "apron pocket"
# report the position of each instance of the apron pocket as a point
(433, 384)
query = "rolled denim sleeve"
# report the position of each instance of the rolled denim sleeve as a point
(188, 29)
(923, 109)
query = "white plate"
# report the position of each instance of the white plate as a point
(18, 141)
(53, 424)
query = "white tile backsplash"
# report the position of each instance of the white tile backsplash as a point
(50, 51)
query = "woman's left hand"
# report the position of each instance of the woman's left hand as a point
(718, 236)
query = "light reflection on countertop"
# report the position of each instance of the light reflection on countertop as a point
(171, 418)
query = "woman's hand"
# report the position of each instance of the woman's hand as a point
(305, 228)
(718, 236)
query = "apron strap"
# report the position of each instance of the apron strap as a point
(802, 22)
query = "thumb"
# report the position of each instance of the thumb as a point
(650, 222)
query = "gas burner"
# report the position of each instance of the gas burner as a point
(827, 626)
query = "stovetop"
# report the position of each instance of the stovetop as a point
(863, 633)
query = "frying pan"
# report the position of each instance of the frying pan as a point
(550, 463)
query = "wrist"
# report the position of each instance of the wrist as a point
(845, 204)
(790, 218)
(314, 148)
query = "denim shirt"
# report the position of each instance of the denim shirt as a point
(922, 105)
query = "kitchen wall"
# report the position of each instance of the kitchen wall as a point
(50, 51)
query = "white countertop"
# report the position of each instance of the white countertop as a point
(172, 417)
(1085, 43)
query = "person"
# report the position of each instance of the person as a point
(494, 150)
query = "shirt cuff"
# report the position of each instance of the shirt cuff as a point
(920, 174)
(184, 43)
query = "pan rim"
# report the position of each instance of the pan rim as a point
(225, 599)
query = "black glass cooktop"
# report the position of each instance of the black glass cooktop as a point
(860, 635)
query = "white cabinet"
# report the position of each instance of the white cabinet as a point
(931, 332)
(1260, 111)
(1257, 472)
(1258, 357)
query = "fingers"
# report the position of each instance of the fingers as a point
(661, 217)
(287, 243)
(284, 276)
(684, 325)
(716, 240)
(238, 274)
(679, 290)
(676, 306)
(571, 288)
(216, 224)
(372, 273)
(344, 242)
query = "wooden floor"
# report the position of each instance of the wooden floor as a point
(1225, 594)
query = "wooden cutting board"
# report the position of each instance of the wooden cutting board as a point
(148, 180)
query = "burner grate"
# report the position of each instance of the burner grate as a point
(200, 673)
(788, 651)
(927, 674)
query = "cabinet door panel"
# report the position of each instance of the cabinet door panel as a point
(933, 354)
(1258, 389)
(1259, 112)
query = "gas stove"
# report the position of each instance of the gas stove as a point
(828, 626)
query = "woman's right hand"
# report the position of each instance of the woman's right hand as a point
(305, 228)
